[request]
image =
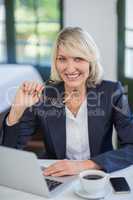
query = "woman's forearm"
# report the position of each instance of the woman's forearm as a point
(14, 115)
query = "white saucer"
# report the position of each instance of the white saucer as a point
(80, 192)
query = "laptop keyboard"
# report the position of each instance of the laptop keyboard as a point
(52, 184)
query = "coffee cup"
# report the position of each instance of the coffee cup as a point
(94, 182)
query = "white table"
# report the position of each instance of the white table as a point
(68, 193)
(11, 76)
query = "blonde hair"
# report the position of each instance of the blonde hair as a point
(79, 43)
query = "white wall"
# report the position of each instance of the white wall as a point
(99, 18)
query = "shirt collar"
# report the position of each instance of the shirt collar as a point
(80, 113)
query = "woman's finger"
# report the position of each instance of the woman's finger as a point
(25, 86)
(51, 172)
(39, 90)
(61, 173)
(39, 87)
(31, 87)
(53, 169)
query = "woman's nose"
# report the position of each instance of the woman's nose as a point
(70, 65)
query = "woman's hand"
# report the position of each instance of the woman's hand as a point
(27, 95)
(69, 167)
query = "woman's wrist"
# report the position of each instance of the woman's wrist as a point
(14, 115)
(89, 164)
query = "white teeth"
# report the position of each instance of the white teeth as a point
(72, 75)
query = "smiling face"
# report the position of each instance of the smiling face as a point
(73, 69)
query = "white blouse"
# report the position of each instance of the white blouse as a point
(77, 139)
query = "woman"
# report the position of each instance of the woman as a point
(76, 112)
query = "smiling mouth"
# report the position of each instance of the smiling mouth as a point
(73, 77)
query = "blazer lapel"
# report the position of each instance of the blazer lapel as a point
(91, 132)
(57, 119)
(57, 127)
(93, 121)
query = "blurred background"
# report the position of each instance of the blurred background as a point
(28, 29)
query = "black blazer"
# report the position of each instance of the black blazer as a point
(107, 106)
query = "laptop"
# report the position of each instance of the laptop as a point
(20, 170)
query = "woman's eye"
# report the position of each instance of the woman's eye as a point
(78, 59)
(61, 59)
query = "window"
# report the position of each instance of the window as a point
(2, 33)
(129, 39)
(36, 25)
(125, 45)
(31, 28)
